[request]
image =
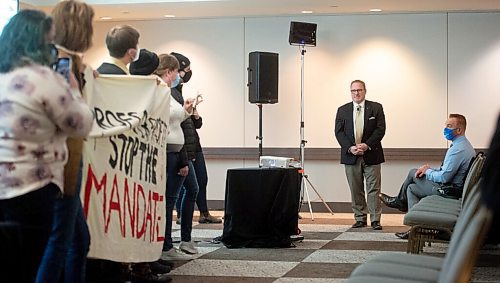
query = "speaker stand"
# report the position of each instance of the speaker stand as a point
(259, 137)
(305, 180)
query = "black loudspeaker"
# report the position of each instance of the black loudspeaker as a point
(262, 77)
(302, 34)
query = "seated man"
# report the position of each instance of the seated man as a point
(426, 181)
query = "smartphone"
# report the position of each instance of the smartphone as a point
(63, 67)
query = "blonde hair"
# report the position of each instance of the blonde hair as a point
(167, 63)
(73, 21)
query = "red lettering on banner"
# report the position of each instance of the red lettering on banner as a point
(91, 180)
(142, 229)
(161, 234)
(135, 213)
(115, 205)
(130, 206)
(147, 215)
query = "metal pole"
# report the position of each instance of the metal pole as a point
(305, 180)
(259, 137)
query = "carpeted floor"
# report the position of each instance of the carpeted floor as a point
(329, 252)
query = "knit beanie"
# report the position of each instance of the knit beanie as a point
(146, 65)
(183, 60)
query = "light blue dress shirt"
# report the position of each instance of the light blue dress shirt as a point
(455, 165)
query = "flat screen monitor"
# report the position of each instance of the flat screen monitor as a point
(8, 8)
(302, 34)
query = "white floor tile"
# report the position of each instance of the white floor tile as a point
(209, 267)
(323, 228)
(369, 236)
(200, 234)
(342, 256)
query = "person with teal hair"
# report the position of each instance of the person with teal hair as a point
(25, 39)
(38, 111)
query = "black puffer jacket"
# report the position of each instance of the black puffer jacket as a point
(188, 127)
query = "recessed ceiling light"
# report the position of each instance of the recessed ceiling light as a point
(169, 16)
(105, 18)
(375, 10)
(307, 12)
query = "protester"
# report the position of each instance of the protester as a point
(177, 166)
(39, 111)
(69, 240)
(193, 147)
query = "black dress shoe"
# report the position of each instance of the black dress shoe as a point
(149, 278)
(393, 202)
(376, 225)
(167, 263)
(359, 224)
(159, 268)
(403, 235)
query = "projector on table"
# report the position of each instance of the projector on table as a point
(276, 161)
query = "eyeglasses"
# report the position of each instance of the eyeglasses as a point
(357, 90)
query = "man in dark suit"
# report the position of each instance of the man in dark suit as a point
(359, 129)
(122, 43)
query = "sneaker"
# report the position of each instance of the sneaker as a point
(209, 219)
(174, 254)
(188, 247)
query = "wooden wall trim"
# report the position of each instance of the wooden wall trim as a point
(430, 154)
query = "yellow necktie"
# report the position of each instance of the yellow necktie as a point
(359, 125)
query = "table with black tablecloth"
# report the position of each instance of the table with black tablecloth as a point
(261, 207)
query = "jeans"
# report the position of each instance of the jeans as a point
(200, 168)
(174, 184)
(189, 192)
(33, 214)
(69, 241)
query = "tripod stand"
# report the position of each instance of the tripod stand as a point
(305, 182)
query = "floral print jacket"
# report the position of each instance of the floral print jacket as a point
(38, 111)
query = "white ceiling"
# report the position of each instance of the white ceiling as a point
(157, 9)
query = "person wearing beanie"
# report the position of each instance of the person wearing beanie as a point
(193, 147)
(184, 62)
(146, 64)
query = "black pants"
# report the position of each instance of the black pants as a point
(26, 222)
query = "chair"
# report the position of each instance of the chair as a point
(456, 267)
(433, 218)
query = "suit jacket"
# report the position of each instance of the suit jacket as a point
(373, 132)
(110, 69)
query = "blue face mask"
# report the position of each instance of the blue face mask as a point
(177, 81)
(448, 133)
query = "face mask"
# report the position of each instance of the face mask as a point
(187, 76)
(448, 134)
(177, 81)
(137, 54)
